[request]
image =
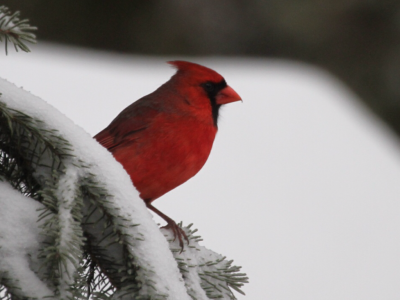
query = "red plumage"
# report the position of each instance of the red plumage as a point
(165, 138)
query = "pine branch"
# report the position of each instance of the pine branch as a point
(34, 160)
(15, 31)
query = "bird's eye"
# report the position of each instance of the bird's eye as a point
(209, 87)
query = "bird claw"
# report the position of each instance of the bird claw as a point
(178, 233)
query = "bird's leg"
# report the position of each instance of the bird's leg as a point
(178, 232)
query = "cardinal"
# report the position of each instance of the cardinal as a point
(165, 138)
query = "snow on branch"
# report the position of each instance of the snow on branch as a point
(14, 30)
(73, 226)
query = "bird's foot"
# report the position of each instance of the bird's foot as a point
(178, 233)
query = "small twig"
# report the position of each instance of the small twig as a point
(14, 30)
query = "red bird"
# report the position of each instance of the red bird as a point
(165, 138)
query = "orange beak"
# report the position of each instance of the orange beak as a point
(227, 95)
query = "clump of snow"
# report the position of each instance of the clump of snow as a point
(66, 196)
(19, 242)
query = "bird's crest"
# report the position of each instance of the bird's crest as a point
(185, 66)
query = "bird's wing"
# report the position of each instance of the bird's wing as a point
(127, 126)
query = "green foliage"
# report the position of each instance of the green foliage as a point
(15, 31)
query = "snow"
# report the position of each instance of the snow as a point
(66, 194)
(20, 238)
(301, 188)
